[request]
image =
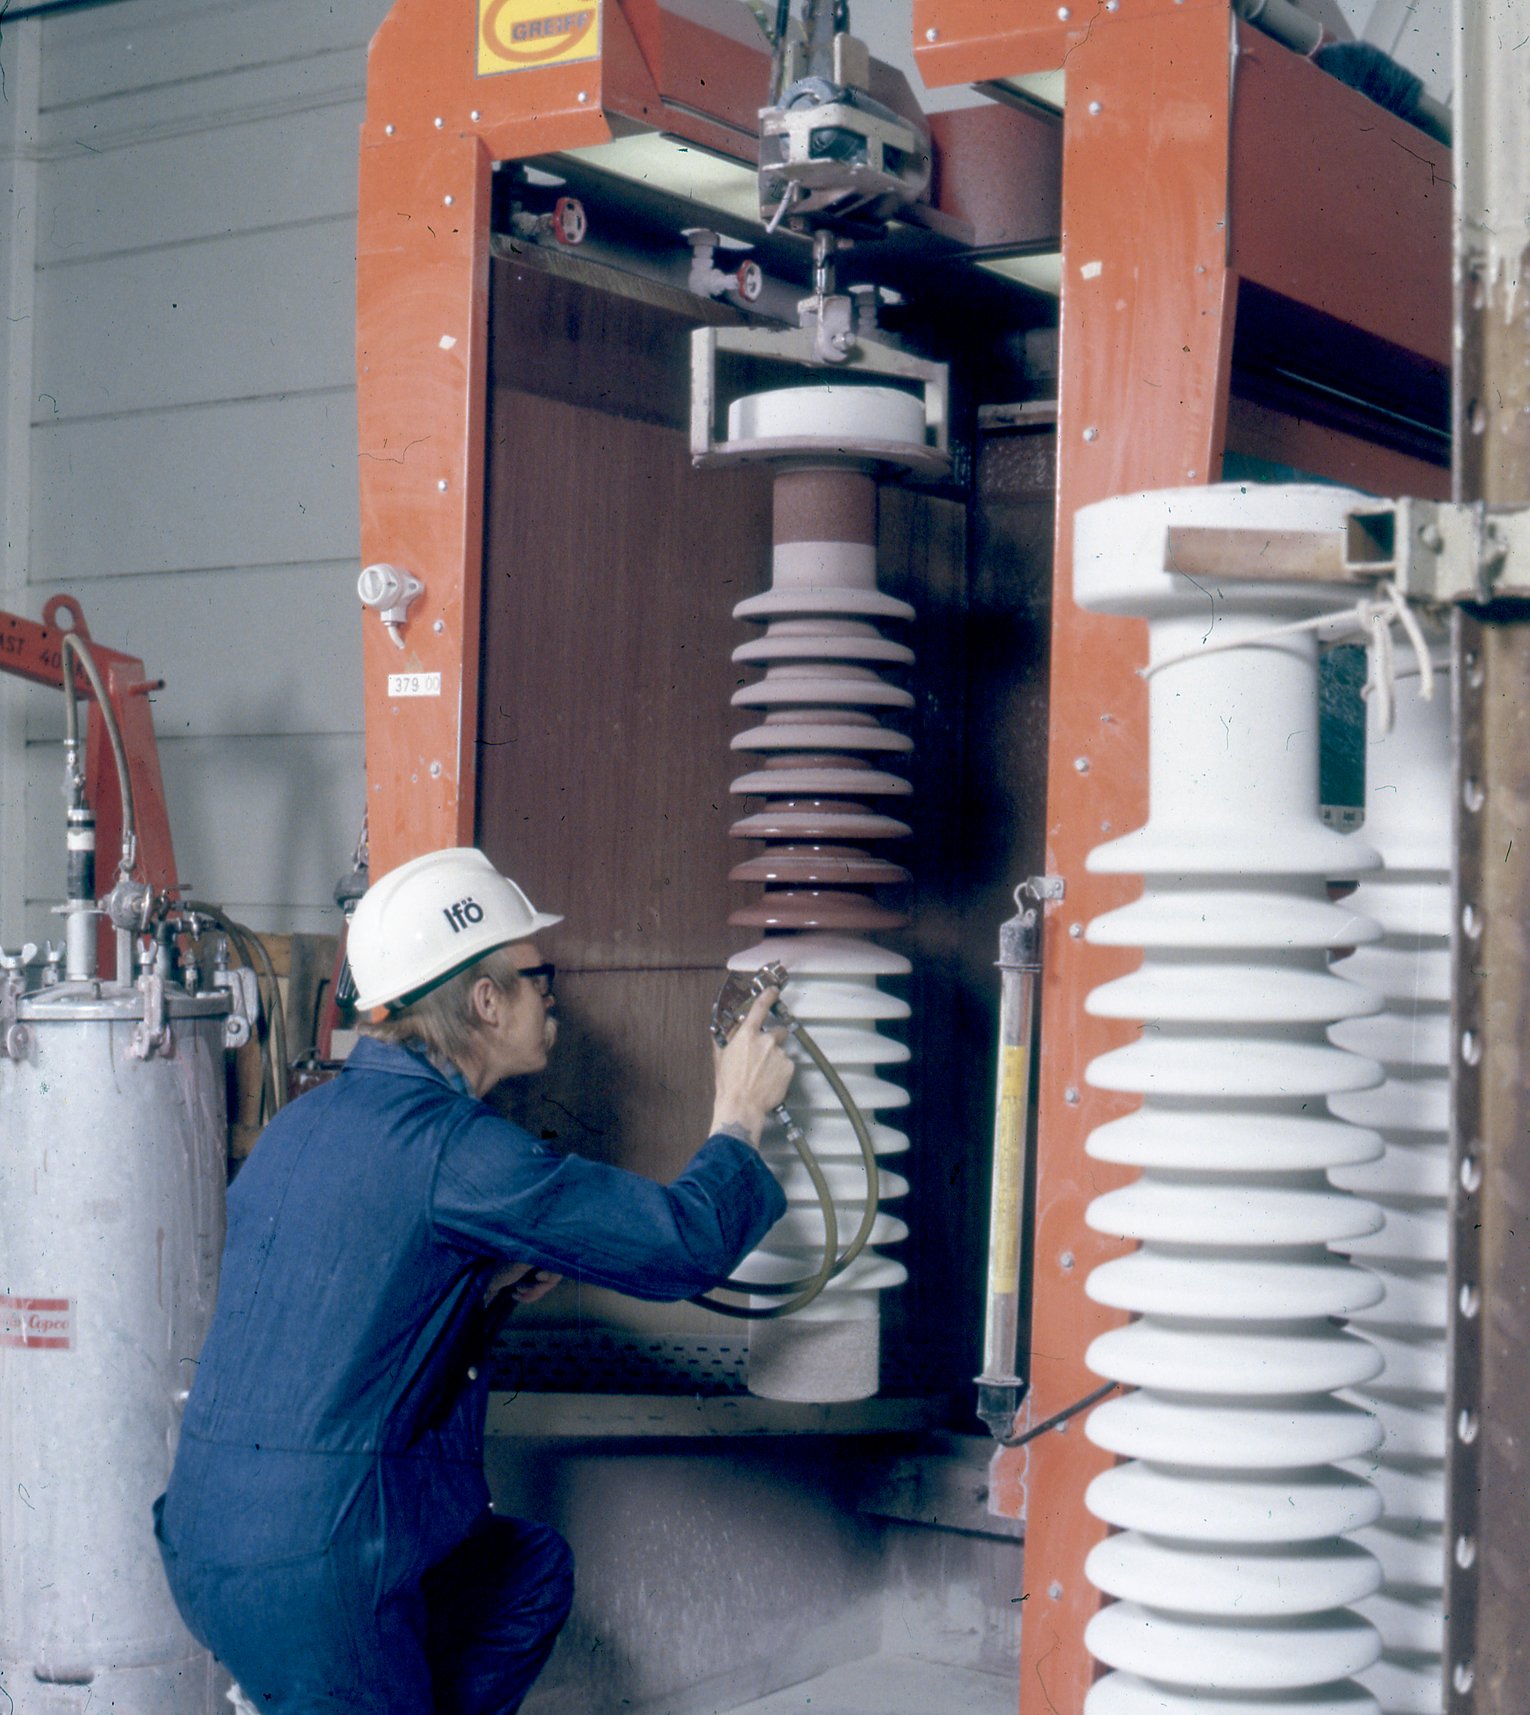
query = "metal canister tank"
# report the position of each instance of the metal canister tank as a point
(112, 1177)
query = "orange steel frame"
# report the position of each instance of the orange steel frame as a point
(1173, 192)
(433, 131)
(1197, 154)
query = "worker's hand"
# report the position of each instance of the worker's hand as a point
(524, 1283)
(754, 1072)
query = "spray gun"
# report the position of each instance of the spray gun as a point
(734, 999)
(738, 993)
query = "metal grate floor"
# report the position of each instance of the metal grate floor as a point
(892, 1685)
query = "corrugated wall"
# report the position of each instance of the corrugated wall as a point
(181, 444)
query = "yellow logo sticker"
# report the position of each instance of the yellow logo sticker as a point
(514, 35)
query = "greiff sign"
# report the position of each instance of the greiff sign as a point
(516, 35)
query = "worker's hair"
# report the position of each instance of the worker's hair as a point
(443, 1022)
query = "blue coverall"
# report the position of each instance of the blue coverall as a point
(327, 1529)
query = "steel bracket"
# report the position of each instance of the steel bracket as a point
(243, 990)
(1441, 552)
(798, 347)
(15, 1037)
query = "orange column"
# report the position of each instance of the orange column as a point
(421, 355)
(1146, 328)
(1147, 311)
(439, 115)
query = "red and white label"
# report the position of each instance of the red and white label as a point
(37, 1324)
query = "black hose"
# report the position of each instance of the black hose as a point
(253, 952)
(74, 644)
(1057, 1418)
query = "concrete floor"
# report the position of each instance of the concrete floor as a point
(891, 1685)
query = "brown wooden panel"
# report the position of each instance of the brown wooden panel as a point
(1336, 203)
(604, 766)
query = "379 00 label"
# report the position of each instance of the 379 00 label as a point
(414, 684)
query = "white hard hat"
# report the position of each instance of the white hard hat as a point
(431, 917)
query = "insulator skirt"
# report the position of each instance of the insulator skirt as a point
(1408, 818)
(1233, 1577)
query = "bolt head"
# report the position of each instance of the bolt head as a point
(475, 116)
(443, 485)
(1096, 108)
(1071, 1095)
(389, 130)
(932, 34)
(1091, 433)
(440, 123)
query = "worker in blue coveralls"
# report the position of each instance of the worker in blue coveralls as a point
(327, 1530)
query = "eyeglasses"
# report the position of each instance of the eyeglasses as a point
(541, 977)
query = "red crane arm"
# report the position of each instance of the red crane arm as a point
(35, 651)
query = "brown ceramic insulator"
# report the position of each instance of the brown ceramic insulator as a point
(851, 640)
(817, 684)
(818, 819)
(820, 866)
(831, 777)
(822, 729)
(800, 759)
(808, 908)
(825, 506)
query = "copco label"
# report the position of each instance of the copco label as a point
(37, 1324)
(515, 35)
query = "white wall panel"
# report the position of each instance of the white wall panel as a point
(240, 317)
(143, 47)
(191, 464)
(261, 650)
(205, 103)
(259, 173)
(253, 482)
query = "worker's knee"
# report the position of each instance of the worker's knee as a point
(546, 1564)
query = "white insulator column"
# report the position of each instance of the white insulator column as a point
(826, 776)
(1231, 1564)
(1408, 820)
(831, 1350)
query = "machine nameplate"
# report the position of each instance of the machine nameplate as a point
(517, 35)
(414, 684)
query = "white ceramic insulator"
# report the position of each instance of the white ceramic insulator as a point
(1233, 1565)
(831, 1350)
(827, 765)
(1408, 820)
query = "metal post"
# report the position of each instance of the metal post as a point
(1487, 1659)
